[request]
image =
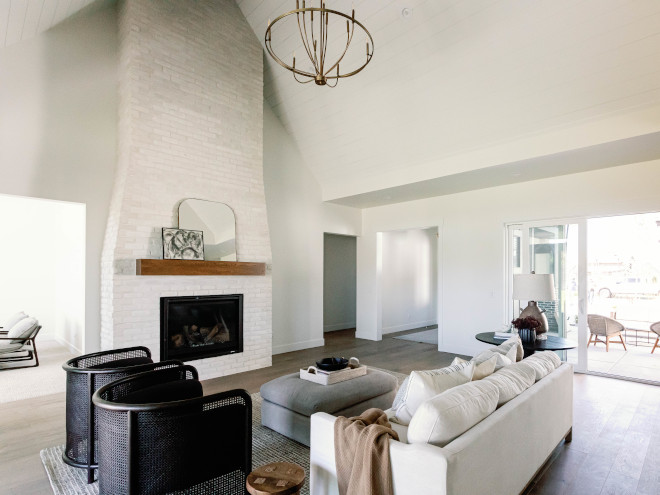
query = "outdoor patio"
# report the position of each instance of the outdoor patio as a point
(636, 362)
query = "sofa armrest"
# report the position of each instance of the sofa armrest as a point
(415, 467)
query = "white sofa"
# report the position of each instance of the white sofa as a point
(498, 456)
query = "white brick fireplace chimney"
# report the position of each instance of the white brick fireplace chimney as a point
(190, 126)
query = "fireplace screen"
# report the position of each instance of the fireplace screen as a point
(196, 327)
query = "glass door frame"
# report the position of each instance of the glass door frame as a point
(524, 227)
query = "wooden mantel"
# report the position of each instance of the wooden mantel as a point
(189, 267)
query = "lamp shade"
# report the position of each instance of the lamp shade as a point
(534, 287)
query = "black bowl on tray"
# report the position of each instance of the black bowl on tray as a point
(332, 364)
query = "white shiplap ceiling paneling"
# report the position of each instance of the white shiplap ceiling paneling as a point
(459, 76)
(23, 19)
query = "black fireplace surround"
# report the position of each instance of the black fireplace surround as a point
(197, 327)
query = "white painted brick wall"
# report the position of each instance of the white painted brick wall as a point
(191, 124)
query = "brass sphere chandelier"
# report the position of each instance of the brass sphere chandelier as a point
(315, 45)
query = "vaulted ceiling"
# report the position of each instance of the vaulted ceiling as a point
(460, 94)
(469, 93)
(23, 19)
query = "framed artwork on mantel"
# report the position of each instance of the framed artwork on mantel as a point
(181, 244)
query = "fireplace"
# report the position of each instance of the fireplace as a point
(197, 327)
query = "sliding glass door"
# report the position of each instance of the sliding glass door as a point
(550, 248)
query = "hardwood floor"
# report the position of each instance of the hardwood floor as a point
(615, 448)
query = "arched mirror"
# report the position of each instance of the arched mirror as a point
(218, 223)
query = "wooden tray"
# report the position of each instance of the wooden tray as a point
(315, 375)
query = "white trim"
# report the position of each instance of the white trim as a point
(72, 349)
(338, 326)
(408, 326)
(298, 346)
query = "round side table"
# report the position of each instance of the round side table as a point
(280, 478)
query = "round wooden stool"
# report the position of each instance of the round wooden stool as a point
(281, 478)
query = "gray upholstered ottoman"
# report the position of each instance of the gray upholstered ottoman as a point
(289, 401)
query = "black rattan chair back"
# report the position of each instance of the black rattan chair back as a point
(201, 445)
(84, 375)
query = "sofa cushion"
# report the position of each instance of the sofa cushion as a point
(165, 392)
(543, 363)
(446, 416)
(512, 380)
(422, 385)
(13, 319)
(501, 359)
(481, 370)
(22, 329)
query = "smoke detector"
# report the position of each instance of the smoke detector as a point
(406, 13)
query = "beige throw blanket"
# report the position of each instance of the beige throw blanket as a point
(362, 454)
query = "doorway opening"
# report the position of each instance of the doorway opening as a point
(339, 282)
(42, 268)
(408, 284)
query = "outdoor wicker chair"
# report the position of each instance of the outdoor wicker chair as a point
(655, 327)
(159, 434)
(602, 326)
(84, 375)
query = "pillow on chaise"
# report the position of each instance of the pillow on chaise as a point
(481, 370)
(422, 385)
(12, 320)
(444, 417)
(22, 329)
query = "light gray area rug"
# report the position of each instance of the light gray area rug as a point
(267, 446)
(425, 336)
(47, 378)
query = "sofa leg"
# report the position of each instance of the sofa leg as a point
(569, 436)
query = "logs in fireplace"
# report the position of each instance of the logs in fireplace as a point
(197, 327)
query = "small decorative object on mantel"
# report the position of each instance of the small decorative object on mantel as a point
(180, 244)
(527, 328)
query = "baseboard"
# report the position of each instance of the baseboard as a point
(72, 349)
(298, 346)
(408, 326)
(338, 326)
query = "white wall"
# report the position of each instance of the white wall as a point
(339, 269)
(297, 220)
(408, 281)
(42, 265)
(472, 266)
(58, 128)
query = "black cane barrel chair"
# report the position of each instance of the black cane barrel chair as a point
(84, 375)
(159, 434)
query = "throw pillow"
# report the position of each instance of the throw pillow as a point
(512, 380)
(13, 319)
(481, 370)
(443, 418)
(423, 385)
(501, 359)
(22, 329)
(403, 389)
(506, 346)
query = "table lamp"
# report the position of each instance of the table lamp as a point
(532, 288)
